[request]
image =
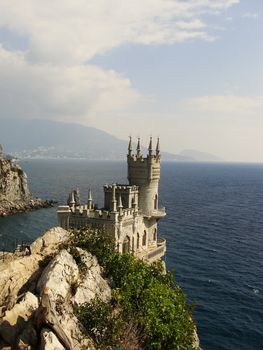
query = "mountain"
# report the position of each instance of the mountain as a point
(193, 155)
(49, 139)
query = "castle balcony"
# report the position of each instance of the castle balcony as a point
(153, 254)
(158, 213)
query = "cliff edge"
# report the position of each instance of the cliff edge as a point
(44, 286)
(40, 292)
(14, 192)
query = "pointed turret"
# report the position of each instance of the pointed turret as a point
(158, 147)
(114, 202)
(120, 206)
(130, 147)
(150, 148)
(139, 154)
(134, 204)
(71, 200)
(120, 202)
(89, 200)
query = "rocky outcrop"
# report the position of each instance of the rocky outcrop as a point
(14, 192)
(41, 292)
(19, 274)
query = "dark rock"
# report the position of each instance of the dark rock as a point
(14, 192)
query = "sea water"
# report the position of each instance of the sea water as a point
(213, 228)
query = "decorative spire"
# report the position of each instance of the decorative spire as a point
(130, 147)
(158, 147)
(114, 202)
(150, 148)
(120, 206)
(71, 200)
(89, 200)
(139, 148)
(134, 204)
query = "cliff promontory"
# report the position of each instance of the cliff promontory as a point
(14, 192)
(56, 295)
(40, 291)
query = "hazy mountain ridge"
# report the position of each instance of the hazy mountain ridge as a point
(49, 139)
(195, 155)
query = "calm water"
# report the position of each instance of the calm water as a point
(214, 231)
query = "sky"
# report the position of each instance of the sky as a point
(190, 71)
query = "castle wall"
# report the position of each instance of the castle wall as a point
(128, 194)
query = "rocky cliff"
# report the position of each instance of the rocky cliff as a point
(40, 291)
(14, 192)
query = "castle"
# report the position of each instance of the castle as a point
(130, 213)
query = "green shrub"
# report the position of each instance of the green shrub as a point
(143, 295)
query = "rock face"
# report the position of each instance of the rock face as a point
(41, 291)
(14, 192)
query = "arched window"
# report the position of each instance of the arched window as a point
(126, 245)
(156, 202)
(144, 238)
(138, 240)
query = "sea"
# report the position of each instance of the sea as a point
(213, 228)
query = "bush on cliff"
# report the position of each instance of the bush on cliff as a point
(143, 296)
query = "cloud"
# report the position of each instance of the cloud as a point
(66, 31)
(50, 77)
(229, 104)
(60, 92)
(250, 15)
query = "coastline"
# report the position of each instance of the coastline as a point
(8, 208)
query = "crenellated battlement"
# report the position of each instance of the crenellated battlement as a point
(125, 188)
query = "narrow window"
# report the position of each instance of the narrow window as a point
(156, 202)
(144, 238)
(126, 245)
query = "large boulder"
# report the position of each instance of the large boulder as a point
(49, 341)
(15, 320)
(50, 241)
(91, 284)
(41, 292)
(59, 281)
(20, 274)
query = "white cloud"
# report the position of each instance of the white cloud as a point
(51, 78)
(60, 92)
(67, 31)
(250, 15)
(229, 104)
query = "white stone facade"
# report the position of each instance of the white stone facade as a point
(130, 213)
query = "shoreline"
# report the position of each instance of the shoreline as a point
(9, 208)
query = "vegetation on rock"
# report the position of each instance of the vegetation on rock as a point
(148, 309)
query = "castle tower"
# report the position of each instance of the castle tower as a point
(145, 173)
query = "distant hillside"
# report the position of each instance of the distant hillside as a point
(48, 139)
(193, 155)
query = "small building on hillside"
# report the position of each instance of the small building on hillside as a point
(130, 212)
